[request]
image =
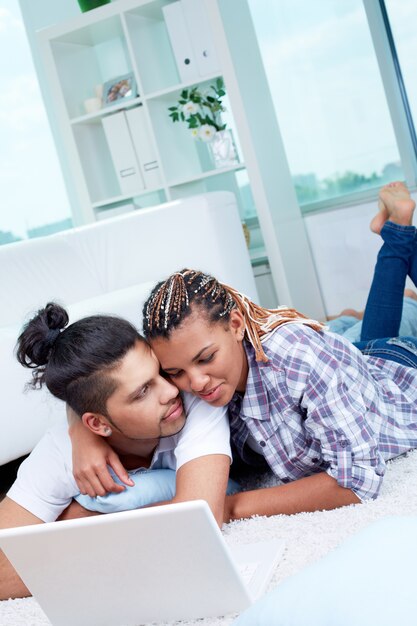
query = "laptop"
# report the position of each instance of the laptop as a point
(157, 564)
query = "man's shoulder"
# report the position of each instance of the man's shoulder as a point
(55, 439)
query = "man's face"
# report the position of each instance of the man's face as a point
(145, 405)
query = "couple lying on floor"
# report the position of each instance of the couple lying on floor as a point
(320, 412)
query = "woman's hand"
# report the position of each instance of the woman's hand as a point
(91, 458)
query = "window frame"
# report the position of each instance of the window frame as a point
(398, 106)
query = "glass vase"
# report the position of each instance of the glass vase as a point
(223, 149)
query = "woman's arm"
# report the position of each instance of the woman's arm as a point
(91, 458)
(204, 478)
(203, 456)
(313, 493)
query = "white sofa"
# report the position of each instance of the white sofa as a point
(106, 267)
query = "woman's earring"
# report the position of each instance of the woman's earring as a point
(107, 431)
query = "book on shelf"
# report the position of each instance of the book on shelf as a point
(202, 43)
(191, 39)
(144, 147)
(123, 154)
(180, 41)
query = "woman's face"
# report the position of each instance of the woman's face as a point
(204, 358)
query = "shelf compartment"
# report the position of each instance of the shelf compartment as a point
(98, 49)
(151, 47)
(183, 156)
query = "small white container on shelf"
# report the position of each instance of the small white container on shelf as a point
(92, 105)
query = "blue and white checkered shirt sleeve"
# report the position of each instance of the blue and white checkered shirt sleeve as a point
(335, 394)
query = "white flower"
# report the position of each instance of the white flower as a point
(189, 108)
(194, 132)
(206, 132)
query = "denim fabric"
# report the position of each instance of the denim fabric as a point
(351, 328)
(402, 350)
(396, 259)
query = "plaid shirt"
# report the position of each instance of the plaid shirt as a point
(319, 405)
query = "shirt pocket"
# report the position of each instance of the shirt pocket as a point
(291, 438)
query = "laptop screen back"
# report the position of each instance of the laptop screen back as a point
(157, 564)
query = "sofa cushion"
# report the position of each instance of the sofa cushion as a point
(127, 303)
(28, 412)
(368, 580)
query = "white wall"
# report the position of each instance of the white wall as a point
(344, 251)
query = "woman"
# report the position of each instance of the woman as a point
(321, 415)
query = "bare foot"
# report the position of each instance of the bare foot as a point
(395, 204)
(349, 312)
(409, 293)
(380, 218)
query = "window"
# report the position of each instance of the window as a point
(402, 17)
(33, 197)
(328, 96)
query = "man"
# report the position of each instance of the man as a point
(133, 407)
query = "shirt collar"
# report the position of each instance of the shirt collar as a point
(166, 444)
(255, 403)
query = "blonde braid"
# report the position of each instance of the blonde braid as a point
(172, 300)
(260, 322)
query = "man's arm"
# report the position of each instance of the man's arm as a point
(11, 516)
(313, 493)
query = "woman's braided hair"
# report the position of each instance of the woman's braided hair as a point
(172, 301)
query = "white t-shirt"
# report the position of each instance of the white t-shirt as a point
(45, 484)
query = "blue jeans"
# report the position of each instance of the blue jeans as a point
(381, 321)
(402, 350)
(396, 259)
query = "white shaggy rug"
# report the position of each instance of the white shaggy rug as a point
(308, 536)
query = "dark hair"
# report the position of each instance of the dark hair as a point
(171, 302)
(75, 361)
(174, 299)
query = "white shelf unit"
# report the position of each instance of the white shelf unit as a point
(128, 36)
(131, 36)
